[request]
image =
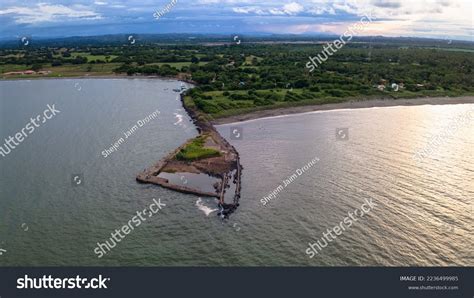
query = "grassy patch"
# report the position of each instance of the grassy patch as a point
(218, 104)
(67, 70)
(250, 59)
(222, 104)
(91, 57)
(177, 65)
(196, 150)
(13, 67)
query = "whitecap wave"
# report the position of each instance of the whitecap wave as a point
(179, 118)
(204, 208)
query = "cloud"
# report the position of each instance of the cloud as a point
(387, 3)
(248, 10)
(43, 12)
(419, 18)
(293, 8)
(322, 10)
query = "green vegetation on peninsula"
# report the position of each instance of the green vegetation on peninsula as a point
(197, 150)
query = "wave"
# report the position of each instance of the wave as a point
(179, 118)
(204, 208)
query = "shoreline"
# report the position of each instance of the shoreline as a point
(286, 111)
(108, 76)
(32, 77)
(372, 103)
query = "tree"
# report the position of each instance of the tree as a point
(36, 67)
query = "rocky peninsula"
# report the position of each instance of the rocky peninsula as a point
(208, 153)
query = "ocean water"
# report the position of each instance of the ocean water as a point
(423, 207)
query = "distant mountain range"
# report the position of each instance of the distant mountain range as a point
(119, 39)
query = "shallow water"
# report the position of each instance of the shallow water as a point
(423, 217)
(202, 182)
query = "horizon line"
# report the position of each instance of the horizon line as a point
(249, 34)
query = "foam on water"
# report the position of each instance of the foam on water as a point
(204, 208)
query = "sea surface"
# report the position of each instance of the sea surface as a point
(423, 206)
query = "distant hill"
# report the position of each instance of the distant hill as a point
(120, 39)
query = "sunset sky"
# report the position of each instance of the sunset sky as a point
(448, 19)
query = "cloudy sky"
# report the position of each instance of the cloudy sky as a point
(449, 19)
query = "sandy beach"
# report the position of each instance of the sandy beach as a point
(346, 105)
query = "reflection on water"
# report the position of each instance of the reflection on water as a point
(424, 208)
(202, 182)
